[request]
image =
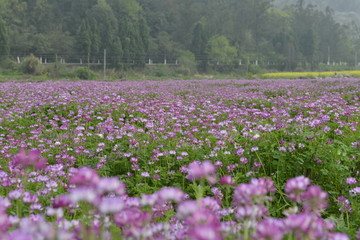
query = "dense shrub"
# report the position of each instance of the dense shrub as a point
(84, 73)
(32, 65)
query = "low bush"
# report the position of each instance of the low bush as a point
(32, 65)
(85, 73)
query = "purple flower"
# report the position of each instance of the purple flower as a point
(145, 174)
(149, 200)
(32, 158)
(351, 180)
(201, 170)
(254, 149)
(265, 183)
(282, 149)
(4, 204)
(269, 229)
(217, 194)
(187, 208)
(109, 205)
(110, 185)
(5, 222)
(345, 205)
(254, 192)
(231, 168)
(338, 236)
(84, 176)
(243, 160)
(171, 194)
(210, 203)
(227, 180)
(314, 199)
(306, 225)
(295, 187)
(251, 212)
(16, 194)
(61, 201)
(131, 220)
(355, 191)
(239, 151)
(18, 235)
(83, 194)
(204, 232)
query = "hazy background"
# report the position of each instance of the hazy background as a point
(345, 11)
(193, 36)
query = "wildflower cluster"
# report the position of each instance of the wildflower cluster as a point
(173, 159)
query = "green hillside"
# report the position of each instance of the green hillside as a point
(345, 11)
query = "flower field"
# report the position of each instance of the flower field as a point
(202, 160)
(312, 75)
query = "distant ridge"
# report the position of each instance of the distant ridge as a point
(345, 11)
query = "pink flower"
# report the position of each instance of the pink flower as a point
(338, 236)
(200, 170)
(84, 176)
(251, 212)
(227, 180)
(239, 151)
(110, 185)
(109, 205)
(355, 191)
(315, 199)
(270, 229)
(61, 201)
(296, 186)
(33, 158)
(351, 180)
(205, 232)
(145, 174)
(171, 194)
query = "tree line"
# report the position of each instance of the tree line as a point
(210, 34)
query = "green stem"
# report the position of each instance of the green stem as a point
(19, 208)
(262, 164)
(246, 230)
(227, 196)
(199, 190)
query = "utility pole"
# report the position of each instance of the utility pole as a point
(88, 59)
(104, 64)
(356, 60)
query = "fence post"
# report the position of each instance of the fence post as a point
(104, 64)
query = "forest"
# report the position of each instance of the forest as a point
(197, 35)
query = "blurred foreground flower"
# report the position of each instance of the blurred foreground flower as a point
(23, 160)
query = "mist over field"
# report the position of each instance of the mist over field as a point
(345, 11)
(179, 38)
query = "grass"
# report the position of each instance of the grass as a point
(7, 75)
(309, 75)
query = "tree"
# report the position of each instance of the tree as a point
(198, 45)
(199, 41)
(4, 41)
(84, 38)
(221, 52)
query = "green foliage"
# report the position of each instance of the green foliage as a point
(4, 41)
(32, 65)
(84, 73)
(187, 63)
(220, 50)
(132, 31)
